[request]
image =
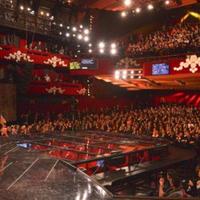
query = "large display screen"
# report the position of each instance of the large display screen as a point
(160, 69)
(88, 63)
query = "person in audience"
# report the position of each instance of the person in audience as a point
(171, 187)
(194, 185)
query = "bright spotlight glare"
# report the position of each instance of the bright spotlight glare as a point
(138, 10)
(127, 2)
(101, 45)
(113, 45)
(124, 75)
(113, 51)
(47, 14)
(67, 34)
(68, 27)
(117, 75)
(61, 25)
(150, 7)
(123, 14)
(80, 37)
(74, 29)
(86, 38)
(167, 2)
(90, 45)
(101, 51)
(28, 9)
(86, 31)
(90, 50)
(21, 7)
(81, 26)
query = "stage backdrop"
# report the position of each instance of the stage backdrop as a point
(8, 101)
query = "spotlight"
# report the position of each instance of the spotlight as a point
(80, 37)
(101, 51)
(124, 75)
(41, 13)
(79, 51)
(74, 29)
(167, 2)
(86, 31)
(90, 50)
(68, 27)
(86, 38)
(127, 2)
(132, 72)
(113, 51)
(75, 56)
(150, 7)
(117, 75)
(113, 45)
(28, 9)
(123, 14)
(101, 45)
(67, 34)
(90, 45)
(74, 35)
(32, 12)
(138, 10)
(54, 23)
(61, 25)
(60, 33)
(47, 14)
(21, 7)
(81, 26)
(52, 18)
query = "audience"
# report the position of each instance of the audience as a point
(178, 123)
(175, 122)
(172, 186)
(179, 38)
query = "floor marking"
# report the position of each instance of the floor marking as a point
(4, 145)
(51, 170)
(6, 166)
(10, 150)
(14, 182)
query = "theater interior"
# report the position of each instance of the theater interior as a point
(99, 99)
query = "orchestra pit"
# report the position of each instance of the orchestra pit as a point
(99, 99)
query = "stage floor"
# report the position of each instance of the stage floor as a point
(40, 167)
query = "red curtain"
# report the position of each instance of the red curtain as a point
(183, 97)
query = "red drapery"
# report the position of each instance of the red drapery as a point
(183, 97)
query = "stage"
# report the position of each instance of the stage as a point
(77, 165)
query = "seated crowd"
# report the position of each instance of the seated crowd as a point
(179, 38)
(176, 122)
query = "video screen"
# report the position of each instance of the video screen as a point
(160, 69)
(89, 63)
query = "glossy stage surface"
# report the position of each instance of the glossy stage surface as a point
(42, 167)
(30, 173)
